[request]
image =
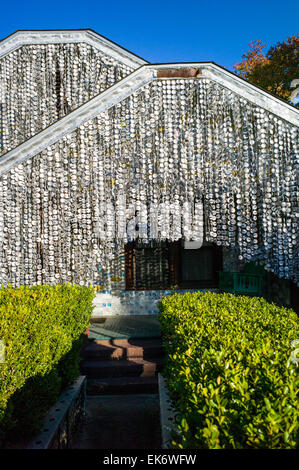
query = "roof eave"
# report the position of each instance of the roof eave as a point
(27, 37)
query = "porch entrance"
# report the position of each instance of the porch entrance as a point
(152, 271)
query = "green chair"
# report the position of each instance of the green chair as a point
(249, 281)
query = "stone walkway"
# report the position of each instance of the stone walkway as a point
(120, 422)
(124, 327)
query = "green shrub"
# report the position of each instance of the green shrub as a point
(41, 327)
(229, 371)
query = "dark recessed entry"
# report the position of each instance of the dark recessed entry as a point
(160, 265)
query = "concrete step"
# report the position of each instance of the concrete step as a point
(121, 368)
(123, 349)
(122, 385)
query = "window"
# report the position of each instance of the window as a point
(148, 266)
(160, 265)
(199, 267)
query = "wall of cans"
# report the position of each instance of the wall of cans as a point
(42, 83)
(174, 141)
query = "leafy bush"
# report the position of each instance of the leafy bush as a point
(229, 371)
(41, 327)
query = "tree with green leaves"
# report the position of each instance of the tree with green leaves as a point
(274, 71)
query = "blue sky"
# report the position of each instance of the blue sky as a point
(164, 31)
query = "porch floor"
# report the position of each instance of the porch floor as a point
(124, 327)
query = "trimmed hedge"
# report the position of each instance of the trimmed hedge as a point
(41, 327)
(229, 371)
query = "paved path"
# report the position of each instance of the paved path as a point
(120, 422)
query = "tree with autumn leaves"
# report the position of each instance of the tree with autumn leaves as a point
(273, 71)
